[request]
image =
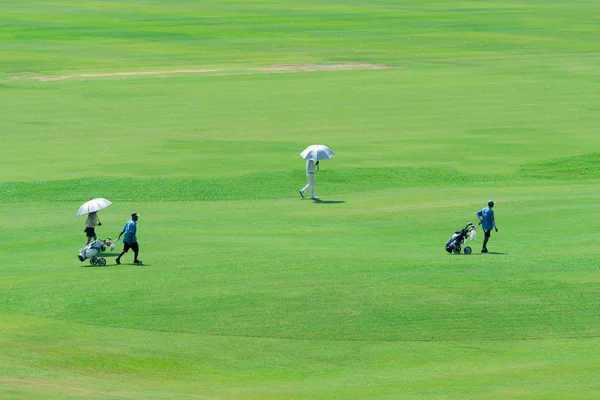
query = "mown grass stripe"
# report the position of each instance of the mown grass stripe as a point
(247, 187)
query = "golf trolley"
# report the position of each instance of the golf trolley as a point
(92, 250)
(458, 239)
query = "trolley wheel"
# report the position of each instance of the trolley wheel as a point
(457, 250)
(101, 262)
(468, 250)
(93, 260)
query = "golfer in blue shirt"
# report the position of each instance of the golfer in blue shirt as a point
(487, 222)
(130, 239)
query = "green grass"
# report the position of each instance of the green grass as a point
(249, 292)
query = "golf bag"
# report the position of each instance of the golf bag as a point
(456, 241)
(91, 251)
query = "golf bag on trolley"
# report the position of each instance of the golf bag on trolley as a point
(456, 241)
(91, 251)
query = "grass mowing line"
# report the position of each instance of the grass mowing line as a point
(411, 27)
(46, 78)
(221, 140)
(302, 339)
(276, 184)
(291, 148)
(282, 184)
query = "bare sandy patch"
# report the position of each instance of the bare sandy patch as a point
(283, 68)
(279, 68)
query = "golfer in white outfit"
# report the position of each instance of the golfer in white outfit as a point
(312, 182)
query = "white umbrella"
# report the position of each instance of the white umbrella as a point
(93, 205)
(317, 152)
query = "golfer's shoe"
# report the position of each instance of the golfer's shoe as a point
(301, 193)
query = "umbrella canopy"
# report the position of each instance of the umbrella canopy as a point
(317, 152)
(93, 205)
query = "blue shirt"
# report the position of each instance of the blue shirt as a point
(486, 216)
(130, 230)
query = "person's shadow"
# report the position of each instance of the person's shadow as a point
(319, 201)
